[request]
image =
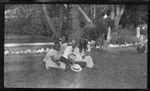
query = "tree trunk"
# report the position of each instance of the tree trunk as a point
(45, 24)
(75, 23)
(85, 15)
(50, 22)
(112, 13)
(94, 13)
(116, 23)
(138, 32)
(108, 34)
(61, 18)
(116, 15)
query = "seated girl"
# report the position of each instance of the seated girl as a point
(82, 54)
(78, 54)
(63, 43)
(83, 57)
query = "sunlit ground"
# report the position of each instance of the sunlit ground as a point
(118, 68)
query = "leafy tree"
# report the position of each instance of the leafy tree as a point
(49, 20)
(74, 20)
(26, 19)
(134, 14)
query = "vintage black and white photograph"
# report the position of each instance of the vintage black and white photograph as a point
(75, 46)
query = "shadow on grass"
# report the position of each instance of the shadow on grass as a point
(125, 69)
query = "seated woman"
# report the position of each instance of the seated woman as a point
(74, 54)
(68, 50)
(71, 56)
(52, 57)
(81, 54)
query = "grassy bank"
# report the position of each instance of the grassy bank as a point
(118, 69)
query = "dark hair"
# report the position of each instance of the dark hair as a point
(105, 36)
(65, 36)
(83, 45)
(56, 43)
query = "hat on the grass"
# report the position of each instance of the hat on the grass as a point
(76, 68)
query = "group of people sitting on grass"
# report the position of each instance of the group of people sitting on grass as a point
(74, 56)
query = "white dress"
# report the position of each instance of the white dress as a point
(63, 47)
(88, 59)
(48, 61)
(67, 52)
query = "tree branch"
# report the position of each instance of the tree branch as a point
(94, 14)
(49, 21)
(85, 15)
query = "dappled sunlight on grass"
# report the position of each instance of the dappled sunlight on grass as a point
(123, 69)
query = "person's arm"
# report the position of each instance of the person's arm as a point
(86, 54)
(67, 52)
(55, 60)
(50, 54)
(47, 56)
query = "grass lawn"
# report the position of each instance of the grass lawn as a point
(118, 68)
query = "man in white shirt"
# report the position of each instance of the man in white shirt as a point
(73, 49)
(77, 55)
(52, 57)
(68, 50)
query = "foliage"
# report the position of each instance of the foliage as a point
(134, 14)
(101, 24)
(30, 20)
(123, 40)
(125, 35)
(101, 27)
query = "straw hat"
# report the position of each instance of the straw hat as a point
(76, 68)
